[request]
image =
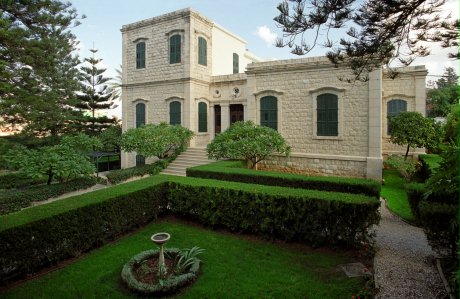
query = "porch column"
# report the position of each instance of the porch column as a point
(374, 158)
(224, 116)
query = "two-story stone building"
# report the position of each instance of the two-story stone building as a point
(183, 68)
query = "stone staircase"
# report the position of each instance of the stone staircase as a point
(193, 156)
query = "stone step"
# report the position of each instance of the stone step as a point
(191, 157)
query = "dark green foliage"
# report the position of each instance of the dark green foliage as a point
(38, 74)
(14, 200)
(314, 217)
(317, 219)
(429, 164)
(440, 222)
(231, 171)
(18, 180)
(451, 128)
(120, 175)
(365, 35)
(34, 246)
(110, 139)
(167, 286)
(442, 99)
(415, 194)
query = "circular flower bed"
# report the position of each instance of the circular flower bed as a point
(141, 273)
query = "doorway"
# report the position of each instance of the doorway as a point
(217, 119)
(236, 113)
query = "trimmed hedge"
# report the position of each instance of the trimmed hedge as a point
(415, 194)
(316, 217)
(18, 180)
(233, 171)
(14, 200)
(121, 175)
(429, 164)
(39, 244)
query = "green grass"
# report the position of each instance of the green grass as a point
(61, 206)
(432, 160)
(395, 194)
(232, 268)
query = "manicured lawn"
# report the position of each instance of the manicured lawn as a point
(233, 268)
(395, 194)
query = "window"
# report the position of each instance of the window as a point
(140, 114)
(140, 160)
(174, 113)
(140, 55)
(174, 49)
(269, 112)
(327, 115)
(236, 63)
(202, 51)
(202, 117)
(394, 107)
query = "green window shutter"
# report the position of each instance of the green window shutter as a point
(236, 63)
(174, 113)
(269, 112)
(140, 55)
(174, 49)
(140, 114)
(327, 115)
(202, 117)
(394, 107)
(202, 51)
(140, 160)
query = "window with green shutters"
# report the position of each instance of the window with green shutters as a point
(140, 55)
(269, 112)
(174, 113)
(140, 114)
(140, 160)
(236, 63)
(174, 49)
(394, 107)
(327, 115)
(202, 117)
(202, 51)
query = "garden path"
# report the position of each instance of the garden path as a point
(404, 263)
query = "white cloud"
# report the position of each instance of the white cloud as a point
(266, 35)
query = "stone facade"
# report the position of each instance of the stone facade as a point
(356, 149)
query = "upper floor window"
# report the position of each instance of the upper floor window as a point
(269, 112)
(140, 55)
(174, 113)
(140, 114)
(202, 117)
(327, 107)
(174, 49)
(395, 107)
(236, 63)
(202, 51)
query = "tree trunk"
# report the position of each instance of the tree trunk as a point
(50, 176)
(407, 152)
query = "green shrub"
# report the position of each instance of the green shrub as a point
(440, 222)
(407, 167)
(415, 194)
(18, 180)
(39, 244)
(429, 163)
(14, 200)
(232, 171)
(315, 217)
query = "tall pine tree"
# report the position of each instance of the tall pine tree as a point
(95, 96)
(38, 71)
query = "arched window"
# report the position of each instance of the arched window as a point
(202, 51)
(140, 55)
(174, 49)
(236, 63)
(174, 113)
(140, 114)
(269, 112)
(327, 115)
(202, 117)
(395, 107)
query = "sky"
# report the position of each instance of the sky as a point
(251, 20)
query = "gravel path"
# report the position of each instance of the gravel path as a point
(404, 264)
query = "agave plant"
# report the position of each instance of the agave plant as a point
(186, 258)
